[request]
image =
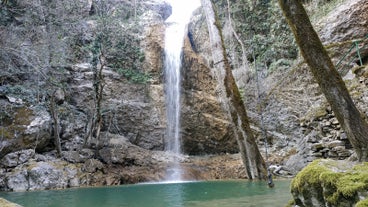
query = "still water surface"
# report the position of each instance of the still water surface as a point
(190, 194)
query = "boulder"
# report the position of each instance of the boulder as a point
(78, 156)
(44, 176)
(331, 183)
(27, 128)
(16, 158)
(17, 181)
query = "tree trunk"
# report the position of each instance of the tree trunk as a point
(327, 76)
(252, 159)
(94, 125)
(54, 115)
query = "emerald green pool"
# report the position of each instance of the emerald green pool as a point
(189, 194)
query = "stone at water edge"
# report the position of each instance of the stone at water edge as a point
(5, 203)
(333, 183)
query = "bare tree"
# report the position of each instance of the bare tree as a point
(327, 76)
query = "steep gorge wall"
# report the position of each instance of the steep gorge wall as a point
(297, 120)
(129, 148)
(299, 124)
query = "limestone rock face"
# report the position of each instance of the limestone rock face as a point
(45, 176)
(41, 175)
(205, 127)
(17, 158)
(24, 128)
(347, 22)
(300, 126)
(17, 181)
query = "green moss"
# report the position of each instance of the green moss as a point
(351, 183)
(291, 203)
(309, 175)
(329, 183)
(338, 187)
(362, 203)
(330, 178)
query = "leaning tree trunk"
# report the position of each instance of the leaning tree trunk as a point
(327, 76)
(252, 159)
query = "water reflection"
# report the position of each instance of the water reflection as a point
(174, 195)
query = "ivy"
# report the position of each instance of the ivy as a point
(134, 76)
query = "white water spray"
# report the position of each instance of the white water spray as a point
(174, 38)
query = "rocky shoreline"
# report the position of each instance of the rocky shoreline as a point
(120, 163)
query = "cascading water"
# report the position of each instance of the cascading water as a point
(174, 37)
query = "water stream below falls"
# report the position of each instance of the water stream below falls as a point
(190, 194)
(174, 38)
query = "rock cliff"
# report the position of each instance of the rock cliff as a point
(300, 125)
(58, 99)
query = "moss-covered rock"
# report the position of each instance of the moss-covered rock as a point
(331, 183)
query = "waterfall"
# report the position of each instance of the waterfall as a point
(174, 38)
